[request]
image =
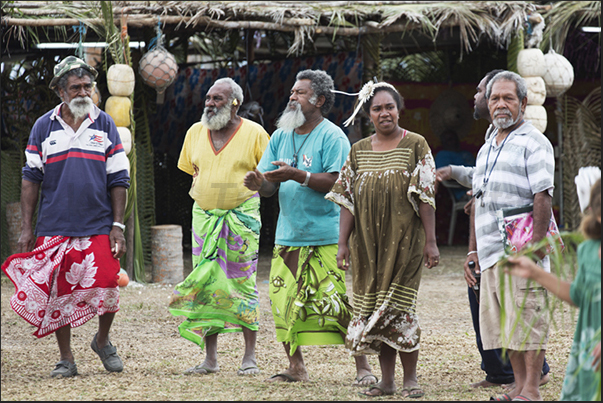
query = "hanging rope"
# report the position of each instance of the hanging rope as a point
(81, 29)
(157, 40)
(124, 38)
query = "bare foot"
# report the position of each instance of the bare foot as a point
(203, 369)
(413, 392)
(365, 378)
(248, 367)
(290, 376)
(544, 379)
(484, 384)
(378, 390)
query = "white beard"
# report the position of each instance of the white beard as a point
(81, 107)
(219, 120)
(506, 121)
(291, 119)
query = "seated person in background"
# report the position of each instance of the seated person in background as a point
(452, 154)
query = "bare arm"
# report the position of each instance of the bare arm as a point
(525, 267)
(321, 182)
(29, 201)
(255, 180)
(117, 240)
(431, 254)
(472, 253)
(346, 226)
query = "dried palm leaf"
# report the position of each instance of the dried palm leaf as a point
(566, 15)
(581, 146)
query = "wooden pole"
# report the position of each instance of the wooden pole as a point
(130, 247)
(288, 25)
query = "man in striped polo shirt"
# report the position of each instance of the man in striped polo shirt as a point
(514, 168)
(66, 272)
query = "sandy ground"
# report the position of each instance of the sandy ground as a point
(147, 339)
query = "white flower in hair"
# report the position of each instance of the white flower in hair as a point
(366, 92)
(586, 178)
(364, 95)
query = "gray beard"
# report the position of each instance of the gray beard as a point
(217, 121)
(505, 122)
(291, 119)
(80, 107)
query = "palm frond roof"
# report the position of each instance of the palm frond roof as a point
(495, 20)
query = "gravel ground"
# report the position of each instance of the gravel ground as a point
(154, 354)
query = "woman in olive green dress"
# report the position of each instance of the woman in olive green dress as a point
(386, 194)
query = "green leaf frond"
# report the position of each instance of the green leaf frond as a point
(564, 264)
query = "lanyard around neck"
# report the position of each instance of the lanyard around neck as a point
(295, 152)
(486, 174)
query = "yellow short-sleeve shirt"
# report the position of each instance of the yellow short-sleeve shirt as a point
(218, 175)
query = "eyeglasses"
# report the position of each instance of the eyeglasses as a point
(77, 88)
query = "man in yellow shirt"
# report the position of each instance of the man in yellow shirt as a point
(220, 294)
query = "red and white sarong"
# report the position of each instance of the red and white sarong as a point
(64, 280)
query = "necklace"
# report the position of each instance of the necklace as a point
(295, 152)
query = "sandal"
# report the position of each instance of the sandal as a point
(501, 398)
(287, 377)
(358, 381)
(366, 393)
(413, 393)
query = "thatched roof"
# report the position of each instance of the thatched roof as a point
(494, 21)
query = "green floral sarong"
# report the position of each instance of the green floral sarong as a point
(220, 294)
(308, 296)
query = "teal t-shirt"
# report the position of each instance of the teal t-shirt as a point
(306, 218)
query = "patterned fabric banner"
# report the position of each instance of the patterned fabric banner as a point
(268, 83)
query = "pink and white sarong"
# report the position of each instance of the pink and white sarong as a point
(64, 281)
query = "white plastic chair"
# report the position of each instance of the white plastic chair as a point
(457, 205)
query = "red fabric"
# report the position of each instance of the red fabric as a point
(64, 280)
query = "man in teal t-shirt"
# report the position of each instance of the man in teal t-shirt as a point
(307, 290)
(306, 218)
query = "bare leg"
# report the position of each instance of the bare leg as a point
(63, 335)
(387, 361)
(249, 365)
(104, 325)
(519, 370)
(527, 383)
(211, 353)
(409, 364)
(364, 375)
(544, 379)
(210, 365)
(297, 368)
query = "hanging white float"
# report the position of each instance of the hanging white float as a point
(537, 115)
(530, 62)
(120, 80)
(126, 138)
(536, 90)
(559, 74)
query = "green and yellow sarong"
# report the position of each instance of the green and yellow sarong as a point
(220, 294)
(308, 296)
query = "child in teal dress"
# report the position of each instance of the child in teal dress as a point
(583, 375)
